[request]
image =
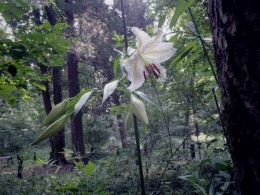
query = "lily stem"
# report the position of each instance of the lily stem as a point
(135, 119)
(203, 46)
(124, 25)
(139, 155)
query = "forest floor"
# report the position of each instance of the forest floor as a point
(37, 169)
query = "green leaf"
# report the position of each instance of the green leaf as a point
(116, 63)
(181, 7)
(187, 50)
(40, 86)
(60, 25)
(67, 187)
(47, 26)
(109, 89)
(6, 89)
(23, 4)
(26, 97)
(146, 97)
(90, 168)
(162, 19)
(17, 12)
(174, 38)
(12, 101)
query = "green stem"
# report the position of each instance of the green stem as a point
(164, 117)
(203, 46)
(220, 116)
(214, 74)
(139, 155)
(124, 25)
(135, 119)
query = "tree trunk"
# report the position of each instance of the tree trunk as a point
(236, 29)
(120, 120)
(46, 94)
(58, 141)
(76, 123)
(74, 86)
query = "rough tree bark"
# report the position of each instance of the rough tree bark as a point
(74, 86)
(76, 123)
(236, 29)
(46, 94)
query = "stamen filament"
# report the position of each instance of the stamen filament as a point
(144, 75)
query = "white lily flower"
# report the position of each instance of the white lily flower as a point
(150, 52)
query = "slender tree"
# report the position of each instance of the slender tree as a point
(57, 141)
(74, 85)
(236, 28)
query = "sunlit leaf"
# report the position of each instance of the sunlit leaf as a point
(109, 89)
(40, 86)
(26, 97)
(81, 102)
(90, 168)
(146, 97)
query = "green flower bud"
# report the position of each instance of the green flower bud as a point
(53, 129)
(139, 110)
(57, 111)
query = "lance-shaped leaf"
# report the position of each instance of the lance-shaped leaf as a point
(57, 111)
(192, 27)
(181, 7)
(139, 110)
(109, 89)
(146, 97)
(129, 120)
(53, 129)
(81, 102)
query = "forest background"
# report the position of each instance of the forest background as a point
(53, 50)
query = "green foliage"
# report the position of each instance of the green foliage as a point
(23, 48)
(183, 110)
(181, 7)
(17, 126)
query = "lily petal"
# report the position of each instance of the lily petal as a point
(159, 37)
(134, 68)
(159, 53)
(142, 37)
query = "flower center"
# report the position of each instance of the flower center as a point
(152, 69)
